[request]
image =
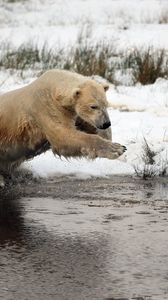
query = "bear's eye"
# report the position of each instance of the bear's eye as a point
(93, 106)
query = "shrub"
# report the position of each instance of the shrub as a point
(150, 167)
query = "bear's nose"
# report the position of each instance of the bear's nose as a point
(106, 125)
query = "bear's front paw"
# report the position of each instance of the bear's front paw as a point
(111, 150)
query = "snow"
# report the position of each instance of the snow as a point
(136, 112)
(128, 23)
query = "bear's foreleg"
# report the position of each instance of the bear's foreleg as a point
(70, 142)
(105, 133)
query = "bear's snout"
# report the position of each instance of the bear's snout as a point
(106, 125)
(105, 121)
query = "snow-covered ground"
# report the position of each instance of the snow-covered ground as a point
(128, 23)
(137, 113)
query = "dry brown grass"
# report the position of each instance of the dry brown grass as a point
(163, 19)
(88, 59)
(147, 65)
(150, 168)
(85, 59)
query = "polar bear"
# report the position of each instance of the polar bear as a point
(61, 110)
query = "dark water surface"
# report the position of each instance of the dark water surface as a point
(70, 239)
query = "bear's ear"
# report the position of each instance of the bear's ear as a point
(105, 86)
(76, 93)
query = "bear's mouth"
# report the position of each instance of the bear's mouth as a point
(105, 125)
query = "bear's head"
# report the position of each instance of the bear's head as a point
(90, 104)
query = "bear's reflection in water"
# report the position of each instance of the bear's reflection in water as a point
(35, 261)
(80, 243)
(11, 219)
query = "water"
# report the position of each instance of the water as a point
(70, 239)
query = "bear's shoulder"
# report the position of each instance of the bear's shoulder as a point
(63, 74)
(61, 79)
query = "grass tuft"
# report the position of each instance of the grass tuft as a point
(148, 154)
(163, 19)
(147, 65)
(150, 167)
